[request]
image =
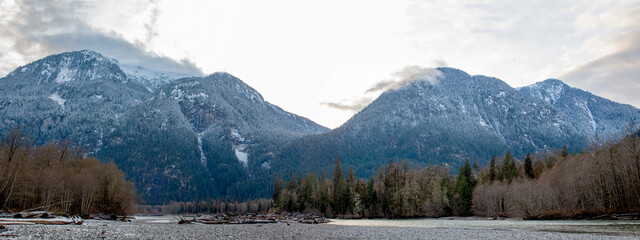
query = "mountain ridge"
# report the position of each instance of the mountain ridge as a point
(187, 138)
(181, 137)
(461, 117)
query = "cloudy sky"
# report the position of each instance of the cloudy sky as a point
(327, 59)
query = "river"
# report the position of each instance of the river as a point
(566, 226)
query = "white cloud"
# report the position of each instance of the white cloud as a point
(35, 29)
(299, 53)
(399, 79)
(615, 76)
(406, 76)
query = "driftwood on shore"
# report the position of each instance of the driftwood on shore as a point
(36, 217)
(33, 221)
(37, 214)
(255, 219)
(111, 217)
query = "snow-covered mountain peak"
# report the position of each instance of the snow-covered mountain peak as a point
(230, 81)
(150, 78)
(553, 81)
(221, 75)
(452, 71)
(550, 90)
(83, 65)
(215, 132)
(92, 54)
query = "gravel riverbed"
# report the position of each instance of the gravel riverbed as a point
(167, 228)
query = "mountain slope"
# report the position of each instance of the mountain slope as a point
(605, 118)
(77, 95)
(232, 134)
(178, 139)
(459, 117)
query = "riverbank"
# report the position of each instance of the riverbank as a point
(166, 227)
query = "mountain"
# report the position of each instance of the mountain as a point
(177, 137)
(461, 117)
(591, 116)
(182, 137)
(211, 136)
(77, 95)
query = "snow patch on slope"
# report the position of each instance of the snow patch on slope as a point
(554, 93)
(585, 107)
(266, 165)
(242, 156)
(239, 149)
(203, 158)
(65, 74)
(56, 98)
(150, 78)
(483, 123)
(236, 136)
(548, 91)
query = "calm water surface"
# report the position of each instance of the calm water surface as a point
(577, 226)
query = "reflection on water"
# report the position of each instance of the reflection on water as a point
(578, 226)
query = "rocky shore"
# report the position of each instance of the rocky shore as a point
(167, 228)
(254, 219)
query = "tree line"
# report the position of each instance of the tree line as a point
(214, 206)
(395, 191)
(603, 179)
(61, 178)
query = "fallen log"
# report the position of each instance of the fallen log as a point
(31, 221)
(36, 214)
(16, 223)
(265, 221)
(212, 221)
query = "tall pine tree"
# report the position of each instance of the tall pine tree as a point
(509, 170)
(278, 185)
(528, 167)
(463, 191)
(340, 189)
(492, 168)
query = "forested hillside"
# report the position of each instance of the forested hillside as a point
(177, 137)
(457, 116)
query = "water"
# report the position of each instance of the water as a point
(569, 226)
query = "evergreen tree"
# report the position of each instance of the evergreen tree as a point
(528, 167)
(492, 168)
(308, 191)
(463, 191)
(340, 189)
(476, 166)
(351, 189)
(278, 185)
(445, 187)
(509, 170)
(370, 197)
(324, 200)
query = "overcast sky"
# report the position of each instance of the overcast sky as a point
(327, 59)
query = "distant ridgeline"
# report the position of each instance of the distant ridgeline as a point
(462, 117)
(181, 138)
